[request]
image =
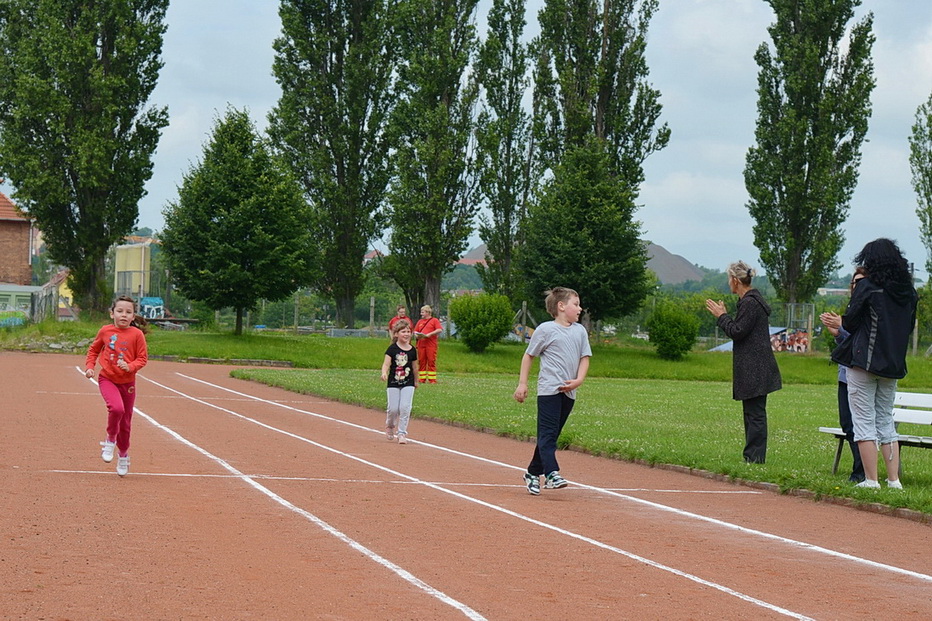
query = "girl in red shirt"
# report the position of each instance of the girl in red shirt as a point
(120, 348)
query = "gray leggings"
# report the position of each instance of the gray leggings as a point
(399, 409)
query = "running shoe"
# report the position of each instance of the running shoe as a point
(533, 483)
(107, 453)
(122, 465)
(555, 481)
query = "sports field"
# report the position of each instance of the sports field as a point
(249, 502)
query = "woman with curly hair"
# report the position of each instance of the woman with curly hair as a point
(879, 317)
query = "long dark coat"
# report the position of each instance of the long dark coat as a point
(754, 367)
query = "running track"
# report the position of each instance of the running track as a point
(245, 501)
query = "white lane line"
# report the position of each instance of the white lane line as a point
(368, 482)
(660, 507)
(372, 555)
(500, 509)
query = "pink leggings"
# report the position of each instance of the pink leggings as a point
(120, 399)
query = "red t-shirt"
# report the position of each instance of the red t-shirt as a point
(394, 320)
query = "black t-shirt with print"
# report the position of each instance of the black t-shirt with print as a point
(401, 369)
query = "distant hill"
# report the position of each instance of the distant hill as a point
(671, 269)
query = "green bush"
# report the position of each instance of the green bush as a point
(481, 319)
(672, 329)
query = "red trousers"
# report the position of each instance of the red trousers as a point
(120, 399)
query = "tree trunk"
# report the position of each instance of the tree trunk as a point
(432, 293)
(346, 309)
(239, 322)
(90, 288)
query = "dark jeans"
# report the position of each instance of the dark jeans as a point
(755, 429)
(552, 412)
(844, 420)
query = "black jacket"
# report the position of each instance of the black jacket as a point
(754, 366)
(880, 320)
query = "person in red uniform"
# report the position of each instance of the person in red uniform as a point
(426, 331)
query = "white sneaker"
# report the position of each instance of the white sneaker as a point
(402, 438)
(870, 484)
(894, 484)
(107, 452)
(122, 465)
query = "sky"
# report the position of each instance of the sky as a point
(218, 53)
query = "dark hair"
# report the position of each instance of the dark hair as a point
(884, 262)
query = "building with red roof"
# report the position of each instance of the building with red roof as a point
(15, 244)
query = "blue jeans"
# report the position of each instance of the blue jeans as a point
(552, 412)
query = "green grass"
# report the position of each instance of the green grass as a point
(633, 406)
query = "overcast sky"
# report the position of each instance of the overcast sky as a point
(700, 53)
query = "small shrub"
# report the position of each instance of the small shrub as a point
(673, 330)
(481, 319)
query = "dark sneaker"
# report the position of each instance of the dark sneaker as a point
(555, 481)
(533, 483)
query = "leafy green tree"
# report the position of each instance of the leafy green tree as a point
(431, 195)
(334, 63)
(673, 329)
(238, 233)
(920, 163)
(813, 108)
(76, 140)
(924, 314)
(580, 234)
(481, 320)
(409, 281)
(503, 143)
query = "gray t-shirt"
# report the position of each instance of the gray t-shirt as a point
(559, 349)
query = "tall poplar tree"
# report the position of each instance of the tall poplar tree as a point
(76, 138)
(813, 106)
(334, 63)
(920, 163)
(504, 144)
(596, 121)
(590, 79)
(431, 195)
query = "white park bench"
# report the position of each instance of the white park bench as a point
(909, 408)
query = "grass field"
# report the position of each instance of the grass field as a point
(633, 406)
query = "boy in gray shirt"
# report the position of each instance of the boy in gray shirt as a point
(563, 348)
